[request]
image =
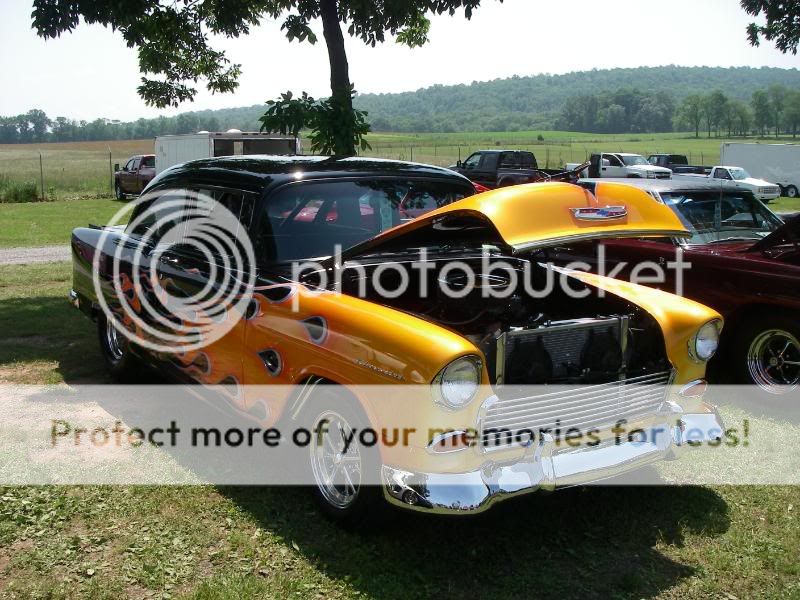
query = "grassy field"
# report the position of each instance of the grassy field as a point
(81, 169)
(247, 542)
(50, 223)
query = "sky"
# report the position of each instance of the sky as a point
(90, 73)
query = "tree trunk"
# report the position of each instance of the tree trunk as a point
(340, 74)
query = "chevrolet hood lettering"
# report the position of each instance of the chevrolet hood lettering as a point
(538, 215)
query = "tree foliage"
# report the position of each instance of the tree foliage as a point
(174, 39)
(782, 23)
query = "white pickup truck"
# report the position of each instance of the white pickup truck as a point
(741, 179)
(621, 164)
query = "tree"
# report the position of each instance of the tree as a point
(173, 39)
(742, 117)
(792, 111)
(761, 110)
(714, 108)
(777, 97)
(782, 23)
(691, 112)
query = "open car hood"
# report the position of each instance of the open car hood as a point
(537, 215)
(788, 233)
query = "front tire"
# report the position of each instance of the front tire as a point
(121, 363)
(118, 191)
(767, 354)
(346, 479)
(791, 192)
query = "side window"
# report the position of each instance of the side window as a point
(721, 174)
(128, 166)
(489, 161)
(153, 219)
(472, 162)
(135, 165)
(613, 161)
(526, 160)
(509, 160)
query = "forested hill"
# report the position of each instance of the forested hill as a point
(522, 103)
(613, 101)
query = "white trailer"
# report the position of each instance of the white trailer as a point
(175, 149)
(776, 163)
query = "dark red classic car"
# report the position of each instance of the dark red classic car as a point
(745, 263)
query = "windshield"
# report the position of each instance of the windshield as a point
(715, 217)
(634, 160)
(309, 220)
(739, 173)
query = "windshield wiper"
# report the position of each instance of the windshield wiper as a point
(734, 239)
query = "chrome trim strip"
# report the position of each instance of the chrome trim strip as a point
(582, 237)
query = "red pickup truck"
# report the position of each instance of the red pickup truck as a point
(134, 176)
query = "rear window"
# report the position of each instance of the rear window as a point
(149, 161)
(309, 220)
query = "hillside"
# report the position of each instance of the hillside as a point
(513, 104)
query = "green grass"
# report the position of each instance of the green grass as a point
(209, 542)
(50, 223)
(785, 205)
(81, 169)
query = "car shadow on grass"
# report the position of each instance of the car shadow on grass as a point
(45, 340)
(593, 542)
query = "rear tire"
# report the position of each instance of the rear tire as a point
(345, 482)
(123, 365)
(766, 353)
(791, 191)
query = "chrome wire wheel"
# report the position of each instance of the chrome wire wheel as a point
(773, 360)
(336, 469)
(114, 342)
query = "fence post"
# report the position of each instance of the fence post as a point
(41, 174)
(412, 154)
(110, 172)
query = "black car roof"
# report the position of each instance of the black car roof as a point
(682, 184)
(261, 170)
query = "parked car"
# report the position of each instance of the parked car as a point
(738, 178)
(471, 360)
(621, 164)
(745, 263)
(134, 176)
(677, 163)
(771, 162)
(501, 168)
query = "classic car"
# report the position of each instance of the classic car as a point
(550, 363)
(745, 263)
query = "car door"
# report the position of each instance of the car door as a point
(470, 166)
(486, 173)
(614, 168)
(126, 176)
(201, 276)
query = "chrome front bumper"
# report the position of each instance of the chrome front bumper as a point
(545, 467)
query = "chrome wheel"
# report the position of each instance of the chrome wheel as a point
(336, 468)
(774, 361)
(114, 342)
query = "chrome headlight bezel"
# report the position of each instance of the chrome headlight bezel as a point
(708, 333)
(445, 396)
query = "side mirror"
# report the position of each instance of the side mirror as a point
(116, 167)
(605, 162)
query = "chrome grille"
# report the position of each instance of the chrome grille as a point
(583, 408)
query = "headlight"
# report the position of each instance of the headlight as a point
(705, 342)
(456, 385)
